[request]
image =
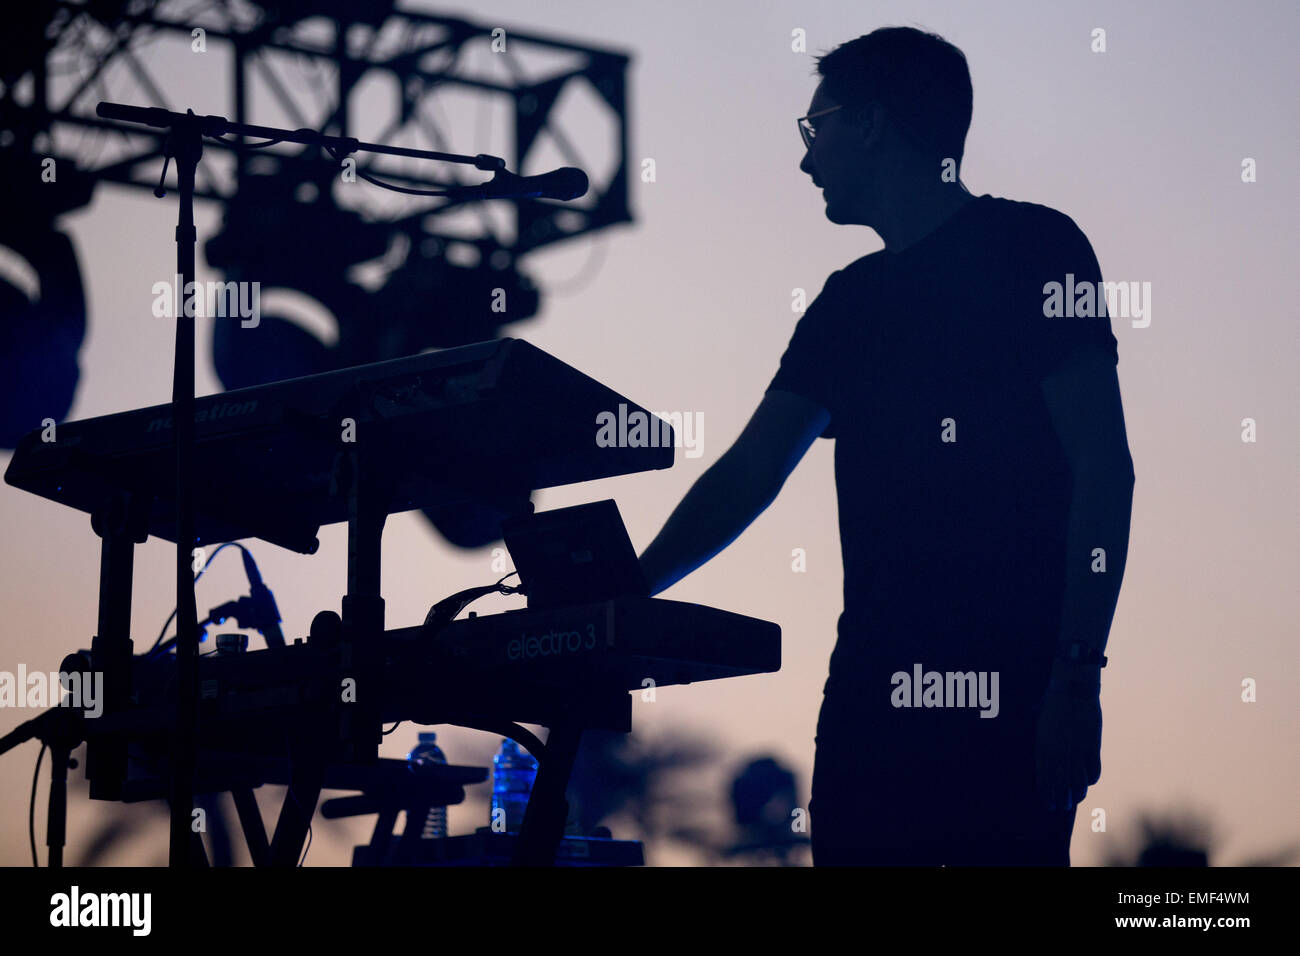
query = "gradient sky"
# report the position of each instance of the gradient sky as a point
(688, 309)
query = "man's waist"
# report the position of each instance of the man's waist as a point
(883, 665)
(888, 639)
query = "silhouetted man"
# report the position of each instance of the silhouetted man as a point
(983, 475)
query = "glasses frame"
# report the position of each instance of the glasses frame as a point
(807, 131)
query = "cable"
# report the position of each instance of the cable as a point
(390, 186)
(401, 189)
(31, 810)
(392, 728)
(158, 644)
(446, 610)
(307, 847)
(235, 143)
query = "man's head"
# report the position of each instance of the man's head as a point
(900, 103)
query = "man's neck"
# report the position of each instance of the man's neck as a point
(921, 216)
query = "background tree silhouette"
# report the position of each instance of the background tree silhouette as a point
(1183, 837)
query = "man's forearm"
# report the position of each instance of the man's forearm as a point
(1096, 553)
(719, 506)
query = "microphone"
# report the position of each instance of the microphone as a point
(568, 182)
(144, 115)
(158, 117)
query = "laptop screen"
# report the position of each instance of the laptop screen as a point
(576, 555)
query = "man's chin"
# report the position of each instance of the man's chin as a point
(838, 214)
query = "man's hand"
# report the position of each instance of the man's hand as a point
(1068, 747)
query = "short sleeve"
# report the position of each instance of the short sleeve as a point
(808, 367)
(1060, 311)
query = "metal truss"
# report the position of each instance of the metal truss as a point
(61, 56)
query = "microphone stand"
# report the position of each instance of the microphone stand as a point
(184, 144)
(61, 729)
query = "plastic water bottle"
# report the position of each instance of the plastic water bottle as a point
(513, 773)
(425, 755)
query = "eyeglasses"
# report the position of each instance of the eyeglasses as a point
(806, 128)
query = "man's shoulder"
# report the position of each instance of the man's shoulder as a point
(860, 268)
(1029, 218)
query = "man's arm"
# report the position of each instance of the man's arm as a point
(736, 489)
(1084, 403)
(1083, 400)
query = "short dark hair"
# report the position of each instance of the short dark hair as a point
(920, 79)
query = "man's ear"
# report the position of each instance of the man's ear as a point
(870, 121)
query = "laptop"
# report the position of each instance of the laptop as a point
(571, 556)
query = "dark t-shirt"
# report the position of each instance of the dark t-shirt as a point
(953, 550)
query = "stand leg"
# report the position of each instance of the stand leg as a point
(305, 783)
(120, 523)
(198, 855)
(381, 839)
(548, 810)
(250, 820)
(361, 730)
(56, 819)
(186, 146)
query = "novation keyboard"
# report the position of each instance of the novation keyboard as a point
(499, 417)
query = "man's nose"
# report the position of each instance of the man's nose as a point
(806, 164)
